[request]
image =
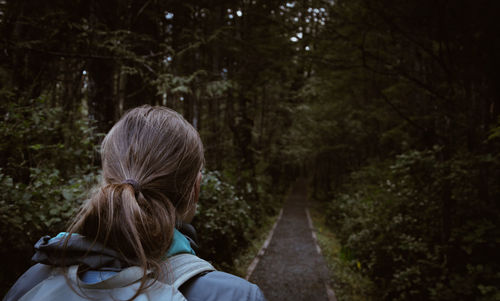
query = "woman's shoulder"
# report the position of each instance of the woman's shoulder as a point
(27, 281)
(221, 286)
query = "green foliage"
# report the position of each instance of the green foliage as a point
(413, 222)
(46, 171)
(223, 220)
(346, 279)
(227, 217)
(34, 134)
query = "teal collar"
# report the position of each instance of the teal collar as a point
(180, 244)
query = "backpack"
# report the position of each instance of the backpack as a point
(121, 286)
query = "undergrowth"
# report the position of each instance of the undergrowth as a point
(346, 278)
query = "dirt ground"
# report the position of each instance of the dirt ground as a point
(291, 268)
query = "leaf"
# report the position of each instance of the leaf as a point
(68, 194)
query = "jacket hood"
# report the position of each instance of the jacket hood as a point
(81, 250)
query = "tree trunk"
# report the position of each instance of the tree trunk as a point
(101, 102)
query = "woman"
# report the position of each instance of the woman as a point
(126, 241)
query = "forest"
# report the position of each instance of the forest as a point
(389, 109)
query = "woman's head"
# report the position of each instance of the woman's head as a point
(151, 160)
(157, 148)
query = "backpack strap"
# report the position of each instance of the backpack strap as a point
(180, 268)
(183, 267)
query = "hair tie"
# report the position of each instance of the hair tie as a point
(134, 183)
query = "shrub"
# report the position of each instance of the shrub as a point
(223, 221)
(46, 169)
(424, 228)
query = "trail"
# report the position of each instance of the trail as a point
(292, 267)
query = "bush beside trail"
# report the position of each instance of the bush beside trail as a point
(47, 168)
(424, 229)
(225, 222)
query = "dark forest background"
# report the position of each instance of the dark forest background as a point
(389, 108)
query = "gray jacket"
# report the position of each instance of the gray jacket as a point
(206, 286)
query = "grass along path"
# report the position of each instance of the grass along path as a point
(244, 260)
(346, 278)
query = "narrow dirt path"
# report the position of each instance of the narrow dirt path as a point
(291, 267)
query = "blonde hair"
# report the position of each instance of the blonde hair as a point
(150, 162)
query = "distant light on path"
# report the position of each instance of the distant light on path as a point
(239, 13)
(299, 35)
(294, 39)
(307, 48)
(84, 72)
